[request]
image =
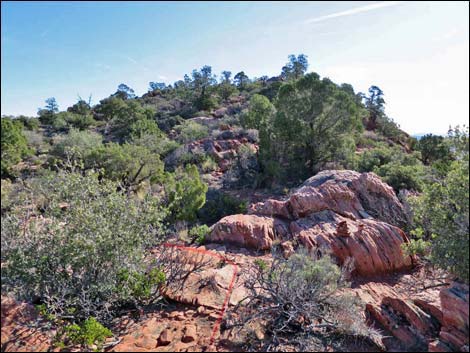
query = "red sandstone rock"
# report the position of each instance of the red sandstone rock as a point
(287, 249)
(342, 229)
(271, 208)
(455, 309)
(190, 334)
(219, 113)
(165, 337)
(18, 334)
(326, 212)
(349, 193)
(394, 308)
(455, 317)
(375, 246)
(244, 230)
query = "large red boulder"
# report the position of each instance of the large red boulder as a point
(374, 246)
(271, 208)
(348, 193)
(249, 231)
(353, 215)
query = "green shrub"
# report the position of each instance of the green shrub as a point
(443, 212)
(6, 190)
(190, 131)
(376, 157)
(185, 193)
(196, 156)
(205, 102)
(245, 171)
(387, 127)
(296, 295)
(312, 126)
(75, 146)
(261, 264)
(144, 127)
(36, 141)
(138, 286)
(42, 309)
(14, 146)
(401, 176)
(219, 205)
(167, 123)
(260, 109)
(128, 164)
(208, 164)
(416, 246)
(88, 333)
(433, 148)
(77, 121)
(70, 256)
(199, 233)
(125, 117)
(29, 123)
(156, 143)
(59, 122)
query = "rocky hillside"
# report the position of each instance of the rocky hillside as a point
(268, 214)
(348, 214)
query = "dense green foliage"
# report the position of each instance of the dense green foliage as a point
(74, 146)
(190, 131)
(260, 110)
(47, 114)
(442, 211)
(88, 333)
(29, 122)
(433, 148)
(126, 118)
(295, 68)
(311, 127)
(219, 205)
(185, 193)
(14, 145)
(199, 233)
(399, 169)
(128, 164)
(70, 256)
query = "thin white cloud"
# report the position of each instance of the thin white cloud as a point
(354, 11)
(135, 62)
(132, 60)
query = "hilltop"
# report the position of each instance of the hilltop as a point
(271, 213)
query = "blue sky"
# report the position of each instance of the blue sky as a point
(416, 52)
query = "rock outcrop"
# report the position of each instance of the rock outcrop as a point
(374, 245)
(399, 313)
(18, 332)
(250, 231)
(348, 214)
(224, 148)
(454, 335)
(353, 215)
(348, 193)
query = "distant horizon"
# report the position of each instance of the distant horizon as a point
(417, 53)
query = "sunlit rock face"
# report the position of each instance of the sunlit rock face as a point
(344, 212)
